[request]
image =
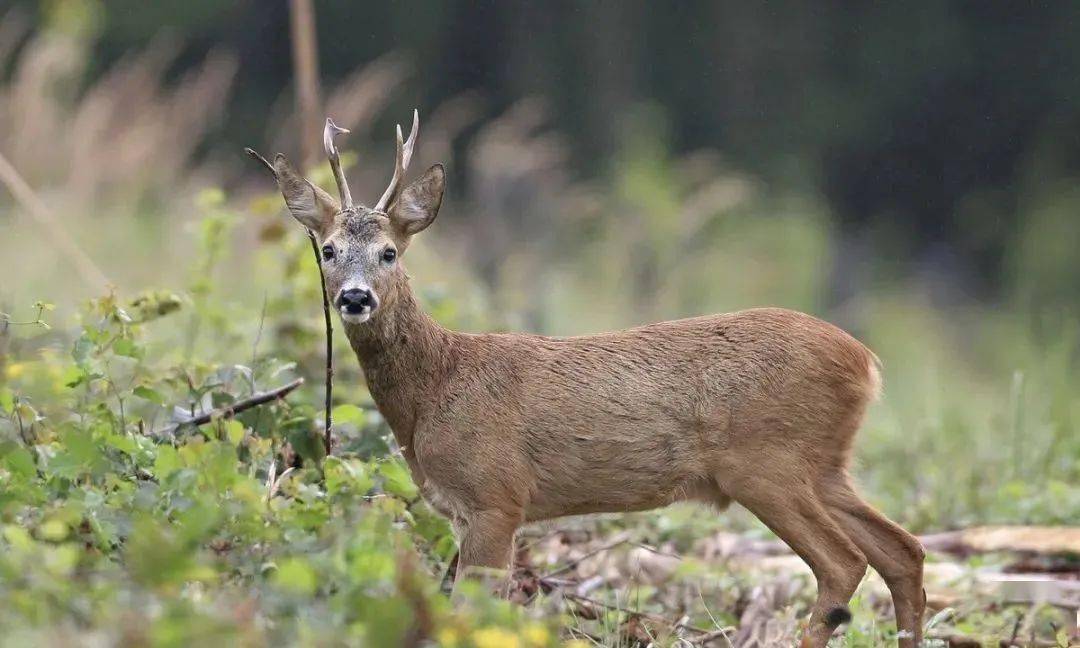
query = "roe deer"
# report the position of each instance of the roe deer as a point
(759, 406)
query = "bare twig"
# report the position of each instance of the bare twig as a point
(956, 639)
(23, 433)
(254, 400)
(36, 209)
(327, 419)
(1041, 540)
(39, 320)
(623, 538)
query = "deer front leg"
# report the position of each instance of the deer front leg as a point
(487, 541)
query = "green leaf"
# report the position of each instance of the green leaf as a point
(348, 415)
(53, 530)
(121, 442)
(80, 455)
(307, 443)
(234, 431)
(7, 400)
(73, 376)
(151, 395)
(218, 469)
(126, 347)
(19, 538)
(397, 481)
(297, 576)
(62, 560)
(197, 523)
(167, 461)
(18, 460)
(351, 474)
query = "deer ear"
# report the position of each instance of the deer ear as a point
(419, 203)
(313, 207)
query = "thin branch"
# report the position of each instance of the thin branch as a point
(36, 209)
(27, 439)
(625, 537)
(254, 400)
(327, 420)
(958, 639)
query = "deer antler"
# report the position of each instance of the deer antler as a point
(401, 163)
(329, 132)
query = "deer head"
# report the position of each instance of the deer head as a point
(361, 246)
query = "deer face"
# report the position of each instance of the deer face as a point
(361, 246)
(360, 260)
(360, 264)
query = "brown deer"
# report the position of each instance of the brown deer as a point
(759, 407)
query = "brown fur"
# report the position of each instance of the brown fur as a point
(759, 406)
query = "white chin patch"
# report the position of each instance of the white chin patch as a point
(355, 318)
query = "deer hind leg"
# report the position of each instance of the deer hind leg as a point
(893, 552)
(487, 542)
(793, 511)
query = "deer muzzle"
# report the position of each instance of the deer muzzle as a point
(356, 304)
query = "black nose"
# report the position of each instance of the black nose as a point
(355, 300)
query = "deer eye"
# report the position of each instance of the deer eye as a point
(389, 254)
(327, 252)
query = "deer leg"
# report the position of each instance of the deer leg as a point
(487, 541)
(794, 512)
(893, 552)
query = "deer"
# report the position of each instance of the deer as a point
(758, 407)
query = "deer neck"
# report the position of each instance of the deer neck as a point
(405, 356)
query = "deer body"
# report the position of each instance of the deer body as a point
(759, 406)
(543, 427)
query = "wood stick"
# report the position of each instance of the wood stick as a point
(963, 641)
(260, 398)
(328, 401)
(1041, 540)
(621, 539)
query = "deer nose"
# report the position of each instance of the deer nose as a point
(356, 300)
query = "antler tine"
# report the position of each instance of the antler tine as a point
(410, 143)
(401, 162)
(329, 132)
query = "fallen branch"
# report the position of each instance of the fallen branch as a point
(956, 640)
(1043, 540)
(260, 398)
(1038, 540)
